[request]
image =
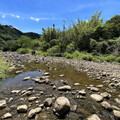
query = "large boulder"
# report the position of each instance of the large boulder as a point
(2, 104)
(96, 97)
(62, 106)
(48, 102)
(64, 88)
(22, 108)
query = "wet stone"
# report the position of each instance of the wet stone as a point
(61, 106)
(116, 113)
(64, 88)
(96, 97)
(6, 116)
(106, 105)
(93, 117)
(2, 104)
(27, 78)
(48, 102)
(22, 108)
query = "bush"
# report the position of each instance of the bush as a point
(54, 51)
(70, 48)
(118, 59)
(68, 55)
(24, 50)
(110, 58)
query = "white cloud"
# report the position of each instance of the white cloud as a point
(13, 15)
(35, 19)
(3, 16)
(17, 16)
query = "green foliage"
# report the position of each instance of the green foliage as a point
(54, 51)
(90, 40)
(24, 50)
(70, 48)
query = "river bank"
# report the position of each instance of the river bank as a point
(39, 80)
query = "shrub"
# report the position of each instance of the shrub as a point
(24, 50)
(54, 51)
(118, 59)
(70, 48)
(110, 58)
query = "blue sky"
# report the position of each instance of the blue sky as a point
(33, 15)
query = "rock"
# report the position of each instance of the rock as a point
(28, 93)
(22, 108)
(30, 88)
(6, 116)
(54, 87)
(115, 108)
(96, 97)
(116, 113)
(32, 112)
(93, 117)
(100, 86)
(10, 100)
(73, 108)
(2, 104)
(30, 99)
(27, 78)
(62, 75)
(48, 102)
(117, 100)
(76, 84)
(45, 73)
(82, 92)
(105, 95)
(15, 91)
(17, 72)
(106, 105)
(94, 89)
(61, 106)
(64, 88)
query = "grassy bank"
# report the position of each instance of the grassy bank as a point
(78, 55)
(4, 66)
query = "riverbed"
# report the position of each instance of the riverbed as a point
(60, 74)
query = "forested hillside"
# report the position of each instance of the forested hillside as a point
(89, 40)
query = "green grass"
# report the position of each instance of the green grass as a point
(4, 66)
(90, 57)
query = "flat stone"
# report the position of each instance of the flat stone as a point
(46, 73)
(115, 107)
(105, 95)
(94, 89)
(106, 105)
(93, 117)
(117, 100)
(116, 113)
(2, 104)
(30, 99)
(96, 97)
(82, 92)
(64, 88)
(6, 116)
(32, 112)
(15, 91)
(76, 84)
(27, 78)
(22, 108)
